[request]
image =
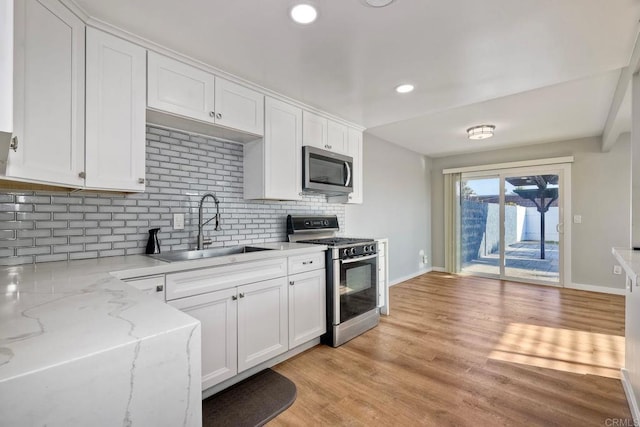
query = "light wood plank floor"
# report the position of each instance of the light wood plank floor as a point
(470, 351)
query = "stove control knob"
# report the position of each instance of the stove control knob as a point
(371, 248)
(352, 251)
(345, 252)
(325, 223)
(365, 249)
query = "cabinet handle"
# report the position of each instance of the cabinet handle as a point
(140, 180)
(82, 175)
(233, 297)
(291, 283)
(218, 116)
(159, 288)
(212, 113)
(241, 295)
(14, 144)
(329, 147)
(307, 262)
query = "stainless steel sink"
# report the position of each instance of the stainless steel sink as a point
(174, 256)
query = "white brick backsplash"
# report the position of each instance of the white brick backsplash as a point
(55, 226)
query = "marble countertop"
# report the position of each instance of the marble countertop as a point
(53, 313)
(629, 260)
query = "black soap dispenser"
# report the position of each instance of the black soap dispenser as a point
(153, 245)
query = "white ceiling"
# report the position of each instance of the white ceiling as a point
(539, 70)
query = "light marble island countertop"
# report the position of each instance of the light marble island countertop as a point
(73, 335)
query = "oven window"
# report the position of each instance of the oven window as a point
(358, 288)
(323, 170)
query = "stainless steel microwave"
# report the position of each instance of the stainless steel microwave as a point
(326, 172)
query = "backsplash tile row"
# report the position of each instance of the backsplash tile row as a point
(180, 168)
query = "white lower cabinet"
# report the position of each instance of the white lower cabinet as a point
(262, 322)
(244, 323)
(217, 313)
(307, 306)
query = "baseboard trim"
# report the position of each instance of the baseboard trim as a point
(439, 269)
(410, 276)
(594, 288)
(631, 398)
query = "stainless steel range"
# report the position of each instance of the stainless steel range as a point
(352, 276)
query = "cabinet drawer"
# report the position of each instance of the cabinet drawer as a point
(152, 285)
(195, 282)
(308, 262)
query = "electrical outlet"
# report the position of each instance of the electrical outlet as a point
(425, 259)
(577, 219)
(617, 269)
(178, 221)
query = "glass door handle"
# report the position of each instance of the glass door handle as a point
(560, 227)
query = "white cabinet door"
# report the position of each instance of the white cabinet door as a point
(307, 307)
(180, 89)
(115, 118)
(314, 128)
(273, 166)
(217, 313)
(354, 149)
(262, 322)
(6, 74)
(48, 94)
(337, 136)
(239, 107)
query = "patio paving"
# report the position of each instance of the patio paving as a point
(522, 260)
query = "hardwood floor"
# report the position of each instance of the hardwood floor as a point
(471, 351)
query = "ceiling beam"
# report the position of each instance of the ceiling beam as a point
(616, 124)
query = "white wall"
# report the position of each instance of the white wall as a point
(601, 184)
(396, 205)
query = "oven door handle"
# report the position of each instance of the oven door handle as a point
(364, 258)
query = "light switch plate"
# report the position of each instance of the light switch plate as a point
(577, 219)
(178, 221)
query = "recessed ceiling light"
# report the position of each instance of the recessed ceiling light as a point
(304, 13)
(377, 3)
(481, 131)
(405, 88)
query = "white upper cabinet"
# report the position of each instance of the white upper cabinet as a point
(183, 90)
(324, 133)
(337, 135)
(48, 109)
(115, 118)
(180, 89)
(238, 107)
(314, 130)
(273, 166)
(6, 74)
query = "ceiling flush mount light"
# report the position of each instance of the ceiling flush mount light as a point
(304, 13)
(481, 131)
(404, 88)
(377, 3)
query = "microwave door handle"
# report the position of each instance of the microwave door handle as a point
(346, 184)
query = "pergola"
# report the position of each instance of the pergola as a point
(542, 196)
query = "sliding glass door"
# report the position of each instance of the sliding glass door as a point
(511, 224)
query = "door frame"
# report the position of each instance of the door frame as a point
(563, 170)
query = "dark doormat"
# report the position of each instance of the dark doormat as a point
(251, 402)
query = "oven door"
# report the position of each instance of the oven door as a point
(358, 290)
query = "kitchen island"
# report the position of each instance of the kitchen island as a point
(630, 262)
(78, 346)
